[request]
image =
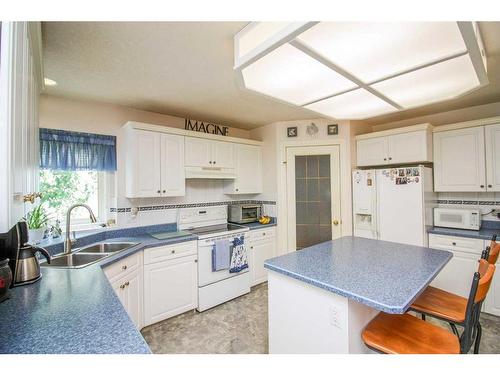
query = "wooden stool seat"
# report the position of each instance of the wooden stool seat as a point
(406, 334)
(441, 304)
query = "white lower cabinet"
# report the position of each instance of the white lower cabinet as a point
(456, 276)
(128, 286)
(492, 302)
(170, 285)
(262, 246)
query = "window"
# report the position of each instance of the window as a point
(61, 189)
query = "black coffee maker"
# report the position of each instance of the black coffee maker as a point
(23, 261)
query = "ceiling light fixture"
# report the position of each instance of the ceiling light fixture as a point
(349, 70)
(49, 82)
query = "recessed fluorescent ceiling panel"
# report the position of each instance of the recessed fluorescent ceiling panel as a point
(372, 51)
(355, 105)
(290, 75)
(429, 85)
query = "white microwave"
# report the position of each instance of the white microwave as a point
(457, 218)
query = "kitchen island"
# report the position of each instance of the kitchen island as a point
(321, 297)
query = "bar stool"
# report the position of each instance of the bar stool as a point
(406, 334)
(449, 307)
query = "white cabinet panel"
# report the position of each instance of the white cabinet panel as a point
(198, 152)
(456, 276)
(173, 182)
(459, 160)
(143, 164)
(248, 171)
(409, 147)
(492, 144)
(129, 290)
(155, 164)
(262, 247)
(492, 302)
(171, 288)
(222, 154)
(372, 151)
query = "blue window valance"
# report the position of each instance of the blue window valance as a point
(73, 151)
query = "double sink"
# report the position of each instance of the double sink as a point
(88, 255)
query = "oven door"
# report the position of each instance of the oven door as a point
(205, 274)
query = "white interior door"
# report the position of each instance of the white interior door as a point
(313, 195)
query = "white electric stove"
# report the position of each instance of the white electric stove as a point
(210, 224)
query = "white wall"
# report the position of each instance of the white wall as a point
(275, 139)
(102, 118)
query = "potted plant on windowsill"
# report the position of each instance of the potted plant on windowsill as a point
(37, 224)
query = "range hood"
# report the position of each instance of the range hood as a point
(210, 173)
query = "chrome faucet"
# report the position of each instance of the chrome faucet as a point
(70, 242)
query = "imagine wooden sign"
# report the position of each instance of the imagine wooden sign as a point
(200, 126)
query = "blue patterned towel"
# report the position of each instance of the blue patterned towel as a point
(239, 258)
(221, 253)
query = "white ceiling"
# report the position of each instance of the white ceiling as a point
(185, 69)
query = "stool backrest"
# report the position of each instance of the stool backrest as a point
(479, 289)
(494, 251)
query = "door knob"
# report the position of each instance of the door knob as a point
(335, 222)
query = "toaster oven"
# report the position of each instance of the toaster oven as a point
(244, 213)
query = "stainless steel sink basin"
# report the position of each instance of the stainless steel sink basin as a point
(74, 260)
(106, 247)
(88, 255)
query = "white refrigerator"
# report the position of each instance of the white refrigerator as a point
(393, 204)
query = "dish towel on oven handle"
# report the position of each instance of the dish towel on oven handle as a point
(221, 254)
(239, 257)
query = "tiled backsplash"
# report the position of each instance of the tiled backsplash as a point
(156, 214)
(485, 202)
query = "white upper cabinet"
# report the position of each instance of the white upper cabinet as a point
(492, 143)
(202, 152)
(154, 164)
(459, 160)
(411, 144)
(410, 147)
(222, 154)
(248, 160)
(198, 152)
(173, 181)
(372, 151)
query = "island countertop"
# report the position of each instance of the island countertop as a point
(386, 276)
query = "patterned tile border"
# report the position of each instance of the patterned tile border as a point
(481, 203)
(188, 205)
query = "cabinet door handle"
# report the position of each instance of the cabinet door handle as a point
(127, 283)
(214, 162)
(490, 186)
(385, 159)
(390, 158)
(173, 251)
(196, 260)
(164, 191)
(251, 247)
(454, 243)
(237, 189)
(122, 286)
(210, 161)
(124, 267)
(159, 191)
(481, 186)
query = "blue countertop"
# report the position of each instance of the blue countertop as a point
(485, 233)
(76, 310)
(257, 225)
(386, 276)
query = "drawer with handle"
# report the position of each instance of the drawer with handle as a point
(262, 234)
(124, 267)
(467, 245)
(161, 253)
